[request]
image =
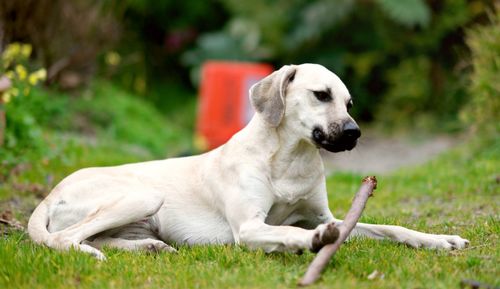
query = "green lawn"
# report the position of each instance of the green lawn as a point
(457, 193)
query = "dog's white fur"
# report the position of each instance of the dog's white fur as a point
(250, 191)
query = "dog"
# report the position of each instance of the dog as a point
(265, 188)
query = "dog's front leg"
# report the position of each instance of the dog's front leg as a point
(257, 234)
(247, 210)
(318, 206)
(409, 237)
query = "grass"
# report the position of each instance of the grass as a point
(454, 194)
(457, 193)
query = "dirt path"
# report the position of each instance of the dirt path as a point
(377, 154)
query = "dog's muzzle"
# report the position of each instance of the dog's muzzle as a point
(338, 139)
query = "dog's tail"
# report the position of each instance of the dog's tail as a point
(37, 225)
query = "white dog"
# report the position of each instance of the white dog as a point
(264, 188)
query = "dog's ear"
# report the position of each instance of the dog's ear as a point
(268, 95)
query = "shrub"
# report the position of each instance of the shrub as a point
(22, 130)
(111, 112)
(482, 111)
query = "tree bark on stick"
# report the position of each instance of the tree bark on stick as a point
(326, 253)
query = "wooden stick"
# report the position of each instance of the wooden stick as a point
(326, 253)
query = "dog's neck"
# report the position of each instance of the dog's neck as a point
(286, 153)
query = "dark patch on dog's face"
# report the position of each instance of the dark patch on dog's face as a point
(338, 136)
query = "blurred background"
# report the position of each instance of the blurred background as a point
(89, 81)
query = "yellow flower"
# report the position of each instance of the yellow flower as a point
(14, 91)
(12, 50)
(10, 74)
(15, 51)
(21, 72)
(33, 79)
(36, 76)
(26, 91)
(26, 50)
(6, 97)
(113, 58)
(14, 47)
(41, 73)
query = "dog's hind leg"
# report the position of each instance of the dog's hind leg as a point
(140, 235)
(147, 244)
(113, 214)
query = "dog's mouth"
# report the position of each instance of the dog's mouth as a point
(335, 144)
(338, 147)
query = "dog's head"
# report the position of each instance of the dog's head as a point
(310, 101)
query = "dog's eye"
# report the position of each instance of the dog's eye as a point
(322, 96)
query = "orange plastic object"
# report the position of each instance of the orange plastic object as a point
(224, 105)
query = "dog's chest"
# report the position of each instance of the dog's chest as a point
(291, 189)
(296, 178)
(283, 214)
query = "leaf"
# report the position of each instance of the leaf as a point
(316, 18)
(409, 13)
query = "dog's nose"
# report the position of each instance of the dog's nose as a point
(351, 130)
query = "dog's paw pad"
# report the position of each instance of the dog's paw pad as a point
(325, 234)
(330, 235)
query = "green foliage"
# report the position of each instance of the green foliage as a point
(483, 108)
(263, 30)
(400, 59)
(409, 12)
(409, 90)
(129, 119)
(103, 112)
(23, 132)
(414, 81)
(313, 20)
(239, 41)
(155, 33)
(18, 102)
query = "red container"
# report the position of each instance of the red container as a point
(224, 105)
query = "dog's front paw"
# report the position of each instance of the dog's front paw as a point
(446, 242)
(456, 241)
(324, 234)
